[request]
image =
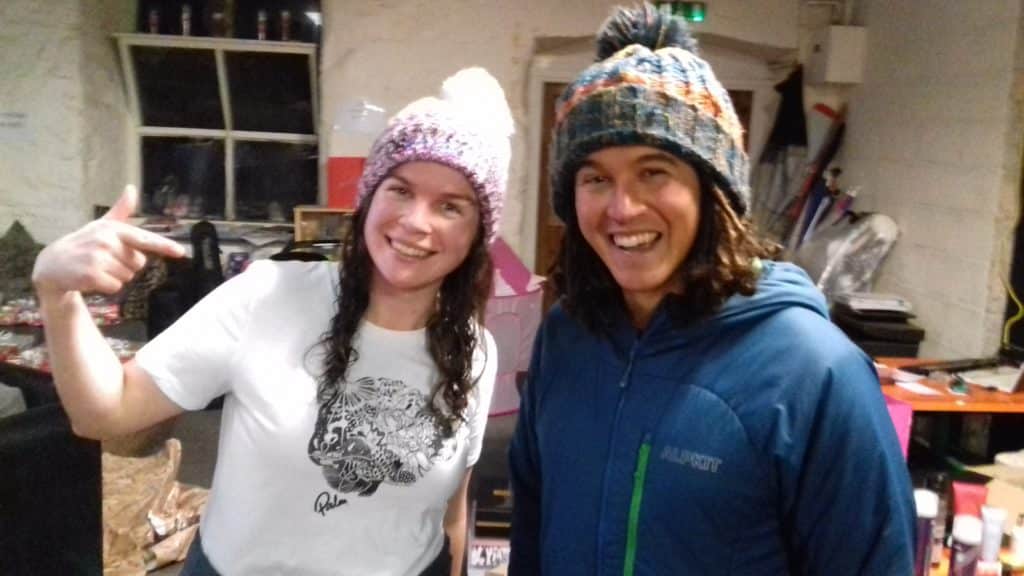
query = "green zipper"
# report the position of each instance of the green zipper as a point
(634, 506)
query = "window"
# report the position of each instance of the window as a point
(225, 128)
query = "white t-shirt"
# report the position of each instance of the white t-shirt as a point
(358, 486)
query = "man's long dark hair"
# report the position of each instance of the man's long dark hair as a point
(453, 329)
(720, 263)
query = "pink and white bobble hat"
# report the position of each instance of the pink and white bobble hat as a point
(468, 128)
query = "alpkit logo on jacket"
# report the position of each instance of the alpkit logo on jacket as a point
(701, 462)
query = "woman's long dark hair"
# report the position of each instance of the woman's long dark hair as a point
(453, 331)
(720, 263)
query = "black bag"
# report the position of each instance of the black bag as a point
(206, 267)
(188, 280)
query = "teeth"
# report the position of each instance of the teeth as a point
(406, 250)
(634, 240)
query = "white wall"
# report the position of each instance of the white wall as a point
(391, 52)
(58, 69)
(40, 166)
(934, 138)
(105, 118)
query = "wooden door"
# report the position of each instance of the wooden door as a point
(743, 103)
(549, 228)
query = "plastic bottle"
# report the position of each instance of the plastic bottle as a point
(939, 483)
(286, 25)
(993, 519)
(261, 25)
(186, 20)
(927, 504)
(963, 559)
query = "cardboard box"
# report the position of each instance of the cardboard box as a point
(1005, 490)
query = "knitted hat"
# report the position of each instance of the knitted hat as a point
(649, 87)
(467, 129)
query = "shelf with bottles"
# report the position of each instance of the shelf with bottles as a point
(264, 20)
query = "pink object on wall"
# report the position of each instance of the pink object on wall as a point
(513, 316)
(902, 415)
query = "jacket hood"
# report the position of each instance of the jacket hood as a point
(781, 286)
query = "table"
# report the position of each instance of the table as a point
(977, 400)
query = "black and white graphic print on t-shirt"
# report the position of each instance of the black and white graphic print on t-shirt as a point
(375, 430)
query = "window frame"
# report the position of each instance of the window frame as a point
(219, 47)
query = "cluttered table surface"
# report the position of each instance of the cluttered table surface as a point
(929, 395)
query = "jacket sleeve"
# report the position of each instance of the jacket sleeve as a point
(524, 470)
(847, 500)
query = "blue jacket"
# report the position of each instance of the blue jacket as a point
(754, 443)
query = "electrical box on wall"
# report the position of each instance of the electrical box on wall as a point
(837, 55)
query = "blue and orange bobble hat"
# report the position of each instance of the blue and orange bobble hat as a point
(648, 87)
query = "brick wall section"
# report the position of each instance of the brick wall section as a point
(41, 167)
(934, 138)
(59, 67)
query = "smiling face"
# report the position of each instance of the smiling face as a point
(639, 208)
(421, 224)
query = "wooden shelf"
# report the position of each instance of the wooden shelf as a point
(977, 400)
(320, 222)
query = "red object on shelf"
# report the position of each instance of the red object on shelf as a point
(343, 173)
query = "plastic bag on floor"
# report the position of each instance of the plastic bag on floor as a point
(12, 401)
(149, 519)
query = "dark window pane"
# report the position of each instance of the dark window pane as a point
(271, 178)
(183, 177)
(270, 92)
(178, 87)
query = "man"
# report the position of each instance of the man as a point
(690, 408)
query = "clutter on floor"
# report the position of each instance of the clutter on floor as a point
(12, 401)
(149, 518)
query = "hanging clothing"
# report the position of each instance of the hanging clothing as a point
(779, 172)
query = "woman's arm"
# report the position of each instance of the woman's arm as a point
(455, 523)
(102, 397)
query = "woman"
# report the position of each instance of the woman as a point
(356, 399)
(690, 409)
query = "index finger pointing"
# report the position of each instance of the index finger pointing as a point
(150, 242)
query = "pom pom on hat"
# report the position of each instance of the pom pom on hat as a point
(480, 98)
(644, 25)
(468, 128)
